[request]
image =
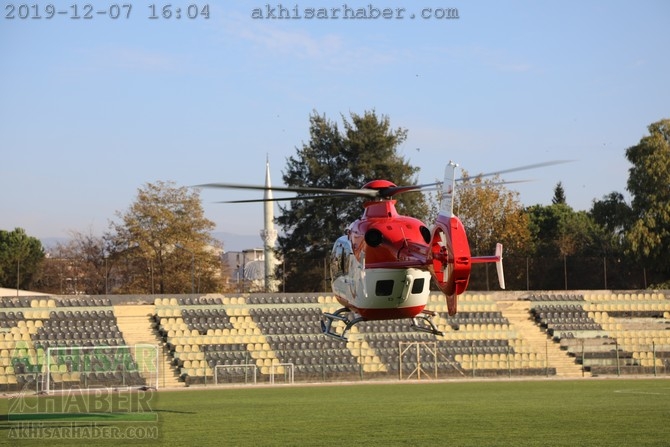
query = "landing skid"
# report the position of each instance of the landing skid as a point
(421, 323)
(424, 323)
(344, 315)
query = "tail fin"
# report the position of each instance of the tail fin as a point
(497, 258)
(499, 266)
(447, 202)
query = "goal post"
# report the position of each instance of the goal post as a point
(410, 353)
(89, 367)
(245, 373)
(283, 371)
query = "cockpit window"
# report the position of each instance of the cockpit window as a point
(417, 285)
(384, 287)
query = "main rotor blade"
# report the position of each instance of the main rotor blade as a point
(520, 168)
(479, 185)
(311, 190)
(438, 186)
(327, 192)
(283, 199)
(391, 191)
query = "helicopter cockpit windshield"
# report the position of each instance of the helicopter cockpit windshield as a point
(340, 257)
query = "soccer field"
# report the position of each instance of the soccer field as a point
(610, 412)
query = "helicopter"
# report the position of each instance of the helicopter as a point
(382, 267)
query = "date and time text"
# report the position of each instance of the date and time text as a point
(114, 11)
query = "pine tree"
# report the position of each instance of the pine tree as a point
(559, 195)
(364, 149)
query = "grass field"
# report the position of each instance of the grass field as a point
(610, 412)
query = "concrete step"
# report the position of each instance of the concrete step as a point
(518, 314)
(136, 325)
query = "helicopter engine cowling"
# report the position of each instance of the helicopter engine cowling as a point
(450, 256)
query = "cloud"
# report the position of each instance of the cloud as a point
(110, 59)
(290, 41)
(140, 60)
(133, 59)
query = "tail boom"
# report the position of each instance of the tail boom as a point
(497, 258)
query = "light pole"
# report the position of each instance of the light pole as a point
(192, 266)
(18, 275)
(105, 255)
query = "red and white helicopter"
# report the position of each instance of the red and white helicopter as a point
(382, 267)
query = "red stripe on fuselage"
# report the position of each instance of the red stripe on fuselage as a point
(389, 313)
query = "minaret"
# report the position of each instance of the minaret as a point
(268, 233)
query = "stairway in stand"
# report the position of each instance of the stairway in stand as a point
(518, 314)
(135, 323)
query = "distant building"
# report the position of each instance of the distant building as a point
(247, 270)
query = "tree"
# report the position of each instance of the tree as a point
(78, 266)
(491, 213)
(20, 259)
(614, 216)
(557, 230)
(578, 235)
(366, 149)
(559, 194)
(566, 243)
(648, 180)
(163, 243)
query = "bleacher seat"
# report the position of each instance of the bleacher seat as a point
(34, 325)
(602, 340)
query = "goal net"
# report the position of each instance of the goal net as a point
(88, 367)
(247, 374)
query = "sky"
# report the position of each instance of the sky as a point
(92, 110)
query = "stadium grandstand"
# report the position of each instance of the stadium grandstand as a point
(51, 343)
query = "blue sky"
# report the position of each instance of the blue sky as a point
(92, 110)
